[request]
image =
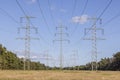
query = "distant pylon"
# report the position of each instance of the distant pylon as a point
(27, 39)
(75, 58)
(94, 38)
(61, 39)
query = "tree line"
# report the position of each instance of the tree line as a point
(112, 64)
(10, 61)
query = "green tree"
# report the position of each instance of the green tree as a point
(9, 60)
(104, 63)
(117, 56)
(115, 65)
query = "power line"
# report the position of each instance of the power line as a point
(21, 8)
(104, 9)
(101, 14)
(30, 20)
(61, 11)
(43, 16)
(11, 17)
(111, 19)
(74, 7)
(85, 6)
(51, 12)
(44, 40)
(40, 9)
(97, 20)
(73, 10)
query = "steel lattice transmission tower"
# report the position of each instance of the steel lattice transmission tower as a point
(61, 39)
(94, 39)
(27, 39)
(75, 58)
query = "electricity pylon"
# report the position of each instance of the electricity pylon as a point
(94, 39)
(75, 58)
(61, 39)
(27, 39)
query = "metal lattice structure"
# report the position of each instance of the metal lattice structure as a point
(27, 40)
(61, 39)
(94, 38)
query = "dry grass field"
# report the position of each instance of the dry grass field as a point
(59, 75)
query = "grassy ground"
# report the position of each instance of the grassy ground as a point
(59, 75)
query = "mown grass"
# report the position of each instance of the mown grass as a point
(58, 75)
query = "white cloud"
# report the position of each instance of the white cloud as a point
(54, 8)
(34, 57)
(80, 19)
(21, 56)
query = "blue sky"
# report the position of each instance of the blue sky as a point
(67, 13)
